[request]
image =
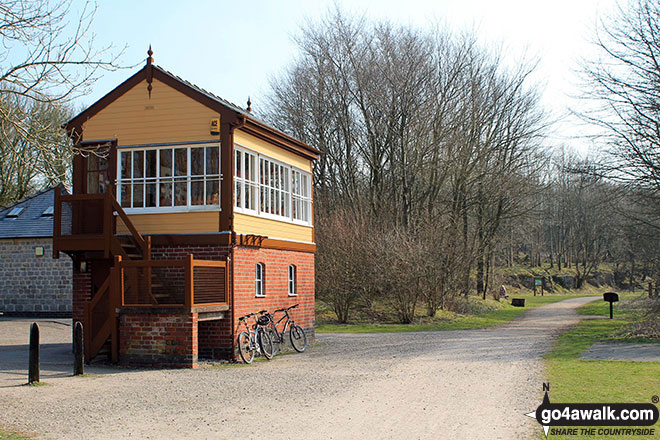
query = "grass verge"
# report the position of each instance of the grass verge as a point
(7, 435)
(583, 381)
(463, 322)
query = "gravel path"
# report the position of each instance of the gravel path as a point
(468, 384)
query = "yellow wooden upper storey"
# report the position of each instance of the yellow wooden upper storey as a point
(169, 116)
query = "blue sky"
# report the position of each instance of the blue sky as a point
(233, 48)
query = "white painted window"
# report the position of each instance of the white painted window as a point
(292, 280)
(301, 197)
(245, 179)
(179, 178)
(271, 189)
(259, 272)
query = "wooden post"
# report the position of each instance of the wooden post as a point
(57, 222)
(78, 349)
(190, 301)
(650, 290)
(107, 221)
(33, 369)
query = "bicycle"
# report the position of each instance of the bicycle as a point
(255, 340)
(297, 335)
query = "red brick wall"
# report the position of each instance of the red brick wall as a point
(158, 338)
(275, 284)
(179, 252)
(82, 292)
(215, 339)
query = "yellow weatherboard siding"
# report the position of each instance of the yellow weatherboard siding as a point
(248, 224)
(173, 223)
(277, 153)
(135, 119)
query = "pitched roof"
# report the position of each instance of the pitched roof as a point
(195, 92)
(30, 222)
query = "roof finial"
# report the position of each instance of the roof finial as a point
(249, 105)
(150, 59)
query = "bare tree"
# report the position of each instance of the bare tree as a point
(47, 58)
(626, 96)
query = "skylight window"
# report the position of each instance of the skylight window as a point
(15, 212)
(48, 212)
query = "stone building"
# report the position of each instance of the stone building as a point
(31, 282)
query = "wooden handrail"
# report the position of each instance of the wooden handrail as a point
(127, 221)
(153, 263)
(189, 281)
(209, 263)
(99, 294)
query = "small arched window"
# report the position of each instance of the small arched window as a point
(292, 280)
(259, 272)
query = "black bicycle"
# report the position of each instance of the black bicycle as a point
(297, 335)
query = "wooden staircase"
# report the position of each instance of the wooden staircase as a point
(101, 319)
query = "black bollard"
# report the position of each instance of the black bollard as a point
(33, 369)
(78, 350)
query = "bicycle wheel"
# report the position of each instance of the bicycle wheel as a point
(276, 340)
(265, 343)
(245, 349)
(298, 338)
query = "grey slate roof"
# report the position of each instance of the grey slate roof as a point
(31, 223)
(208, 94)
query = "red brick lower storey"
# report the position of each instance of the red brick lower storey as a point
(158, 337)
(175, 337)
(276, 290)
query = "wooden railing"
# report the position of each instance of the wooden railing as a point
(173, 283)
(101, 319)
(183, 283)
(111, 213)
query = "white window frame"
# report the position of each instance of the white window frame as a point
(189, 178)
(277, 190)
(259, 278)
(292, 274)
(246, 183)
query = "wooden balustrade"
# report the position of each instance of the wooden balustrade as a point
(177, 283)
(105, 240)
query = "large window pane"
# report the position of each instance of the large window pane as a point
(138, 194)
(197, 161)
(151, 163)
(181, 162)
(126, 190)
(238, 194)
(166, 194)
(126, 164)
(197, 192)
(138, 164)
(212, 160)
(166, 162)
(213, 192)
(150, 195)
(180, 192)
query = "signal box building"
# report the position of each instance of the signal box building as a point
(187, 212)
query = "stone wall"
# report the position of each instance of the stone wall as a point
(33, 285)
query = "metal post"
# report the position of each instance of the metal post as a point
(33, 368)
(78, 349)
(611, 310)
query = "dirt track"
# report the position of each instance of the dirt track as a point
(472, 384)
